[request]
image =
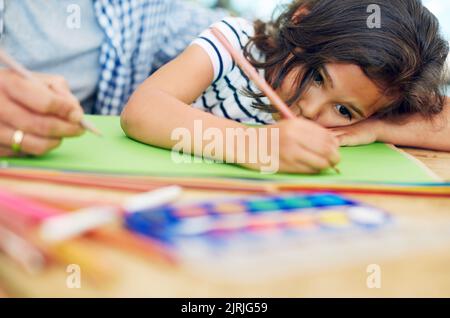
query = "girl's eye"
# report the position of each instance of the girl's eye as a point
(318, 78)
(343, 111)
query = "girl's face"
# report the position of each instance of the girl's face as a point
(340, 95)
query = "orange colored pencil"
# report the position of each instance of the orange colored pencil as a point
(251, 72)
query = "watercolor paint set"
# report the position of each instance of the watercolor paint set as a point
(257, 216)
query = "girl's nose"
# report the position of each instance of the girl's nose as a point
(310, 110)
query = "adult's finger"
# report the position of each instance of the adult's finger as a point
(39, 98)
(59, 85)
(19, 117)
(56, 81)
(31, 144)
(6, 152)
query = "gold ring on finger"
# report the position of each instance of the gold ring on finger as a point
(17, 140)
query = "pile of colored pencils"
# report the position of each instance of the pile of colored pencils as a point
(134, 184)
(35, 235)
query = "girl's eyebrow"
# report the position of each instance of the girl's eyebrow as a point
(349, 105)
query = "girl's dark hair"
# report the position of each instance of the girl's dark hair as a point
(405, 56)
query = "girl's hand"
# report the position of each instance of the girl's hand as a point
(304, 147)
(362, 133)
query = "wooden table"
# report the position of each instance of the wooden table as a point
(424, 272)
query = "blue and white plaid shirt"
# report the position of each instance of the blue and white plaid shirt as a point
(141, 36)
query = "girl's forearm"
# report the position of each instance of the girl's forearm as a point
(419, 132)
(152, 116)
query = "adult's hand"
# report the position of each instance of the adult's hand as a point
(44, 110)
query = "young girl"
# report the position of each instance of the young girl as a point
(353, 71)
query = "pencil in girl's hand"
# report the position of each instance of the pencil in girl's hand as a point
(15, 66)
(253, 75)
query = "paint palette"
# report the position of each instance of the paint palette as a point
(292, 214)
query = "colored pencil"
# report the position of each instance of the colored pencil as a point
(63, 251)
(437, 191)
(26, 232)
(23, 209)
(70, 225)
(134, 184)
(260, 81)
(23, 223)
(25, 254)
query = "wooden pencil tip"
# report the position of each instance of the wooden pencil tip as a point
(90, 126)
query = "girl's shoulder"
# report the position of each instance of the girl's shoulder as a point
(238, 32)
(239, 23)
(236, 29)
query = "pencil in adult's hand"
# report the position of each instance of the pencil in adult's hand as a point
(12, 64)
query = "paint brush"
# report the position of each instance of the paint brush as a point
(15, 66)
(260, 81)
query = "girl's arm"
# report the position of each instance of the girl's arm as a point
(163, 103)
(413, 131)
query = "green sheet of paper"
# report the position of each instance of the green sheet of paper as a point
(115, 153)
